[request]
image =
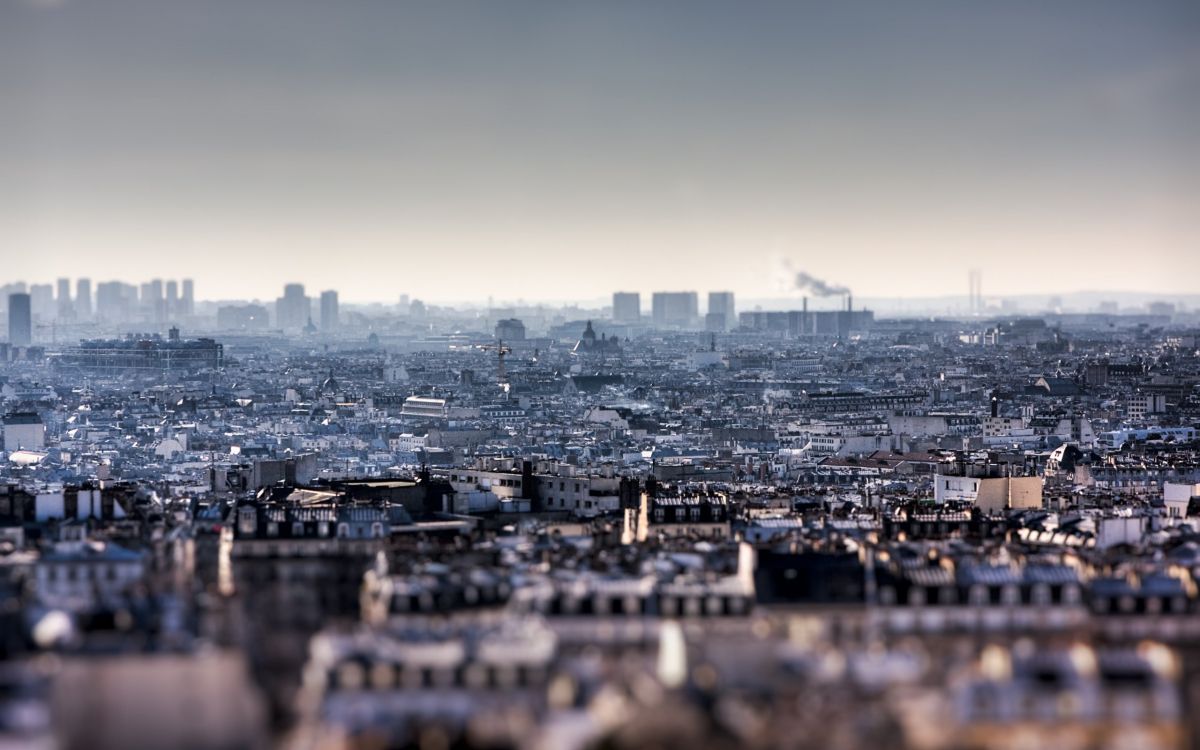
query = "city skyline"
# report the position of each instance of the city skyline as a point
(564, 151)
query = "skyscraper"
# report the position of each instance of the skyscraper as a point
(83, 299)
(721, 314)
(675, 308)
(42, 299)
(294, 309)
(153, 306)
(189, 297)
(20, 319)
(627, 307)
(63, 299)
(329, 310)
(172, 304)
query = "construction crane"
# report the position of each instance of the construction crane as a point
(501, 351)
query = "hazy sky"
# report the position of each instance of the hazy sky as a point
(555, 150)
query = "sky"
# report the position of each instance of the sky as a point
(560, 150)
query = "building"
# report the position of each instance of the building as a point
(675, 308)
(83, 299)
(24, 431)
(294, 309)
(188, 301)
(153, 304)
(63, 299)
(721, 313)
(804, 323)
(989, 494)
(144, 353)
(588, 343)
(243, 317)
(510, 329)
(329, 310)
(172, 303)
(20, 320)
(115, 301)
(627, 307)
(42, 296)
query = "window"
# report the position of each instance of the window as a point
(297, 529)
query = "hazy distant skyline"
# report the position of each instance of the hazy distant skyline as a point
(556, 150)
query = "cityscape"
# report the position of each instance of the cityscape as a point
(526, 375)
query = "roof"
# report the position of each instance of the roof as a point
(22, 418)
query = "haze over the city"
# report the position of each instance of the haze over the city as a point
(546, 150)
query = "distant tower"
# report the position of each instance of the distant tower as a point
(294, 309)
(975, 291)
(627, 307)
(720, 305)
(20, 319)
(172, 299)
(63, 299)
(329, 310)
(189, 297)
(83, 299)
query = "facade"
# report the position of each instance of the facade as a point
(24, 431)
(627, 307)
(294, 309)
(143, 353)
(674, 309)
(721, 314)
(83, 299)
(63, 300)
(188, 300)
(329, 310)
(510, 329)
(20, 320)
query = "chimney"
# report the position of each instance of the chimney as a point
(849, 303)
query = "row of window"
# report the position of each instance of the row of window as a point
(344, 530)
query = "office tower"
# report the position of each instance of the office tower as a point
(172, 303)
(627, 307)
(152, 303)
(510, 329)
(42, 301)
(721, 314)
(189, 297)
(63, 299)
(115, 301)
(675, 308)
(83, 299)
(329, 310)
(20, 319)
(294, 308)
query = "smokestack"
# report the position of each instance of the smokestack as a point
(849, 303)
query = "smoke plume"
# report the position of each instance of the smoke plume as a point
(814, 286)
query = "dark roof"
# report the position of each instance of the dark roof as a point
(22, 418)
